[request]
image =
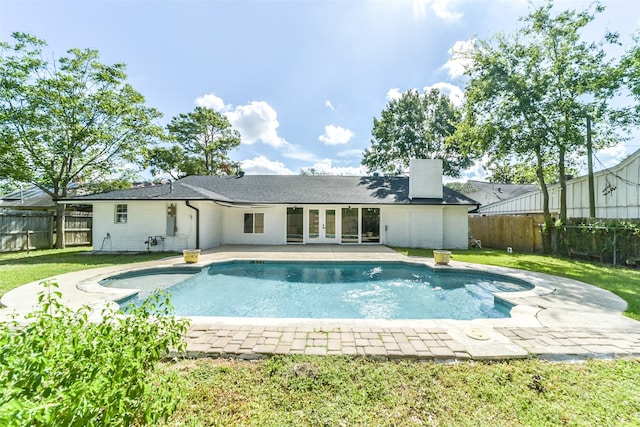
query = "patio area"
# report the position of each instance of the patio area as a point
(559, 319)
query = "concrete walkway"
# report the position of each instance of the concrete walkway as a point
(559, 319)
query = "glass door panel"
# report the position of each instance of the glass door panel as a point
(349, 225)
(322, 226)
(295, 225)
(371, 225)
(314, 224)
(330, 224)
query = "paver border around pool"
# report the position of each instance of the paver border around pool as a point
(559, 319)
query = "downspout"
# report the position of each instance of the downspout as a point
(197, 223)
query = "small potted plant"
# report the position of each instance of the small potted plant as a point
(442, 257)
(191, 255)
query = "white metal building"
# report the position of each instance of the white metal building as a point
(617, 195)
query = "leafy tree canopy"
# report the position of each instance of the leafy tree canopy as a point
(521, 173)
(312, 171)
(416, 126)
(456, 186)
(529, 94)
(630, 68)
(69, 120)
(7, 186)
(200, 142)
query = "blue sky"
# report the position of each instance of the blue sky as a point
(301, 80)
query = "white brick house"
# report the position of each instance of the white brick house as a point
(207, 211)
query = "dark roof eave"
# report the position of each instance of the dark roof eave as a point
(136, 199)
(425, 202)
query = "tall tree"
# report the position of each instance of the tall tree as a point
(74, 119)
(416, 126)
(630, 69)
(529, 94)
(514, 171)
(200, 144)
(7, 186)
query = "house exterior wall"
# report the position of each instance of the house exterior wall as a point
(455, 227)
(617, 194)
(426, 228)
(211, 224)
(275, 218)
(395, 224)
(435, 227)
(144, 219)
(148, 218)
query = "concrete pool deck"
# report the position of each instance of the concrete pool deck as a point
(560, 319)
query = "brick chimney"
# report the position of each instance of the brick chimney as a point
(425, 179)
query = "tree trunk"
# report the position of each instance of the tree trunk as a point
(548, 221)
(60, 225)
(563, 184)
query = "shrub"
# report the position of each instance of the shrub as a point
(61, 369)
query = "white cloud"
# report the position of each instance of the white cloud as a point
(212, 101)
(440, 7)
(393, 94)
(262, 166)
(609, 157)
(460, 58)
(350, 153)
(293, 151)
(329, 105)
(326, 166)
(335, 135)
(475, 172)
(257, 121)
(454, 93)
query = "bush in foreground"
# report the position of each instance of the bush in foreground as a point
(61, 369)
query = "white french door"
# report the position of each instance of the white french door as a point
(321, 226)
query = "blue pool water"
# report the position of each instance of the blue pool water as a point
(325, 290)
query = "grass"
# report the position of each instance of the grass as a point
(622, 281)
(19, 268)
(343, 391)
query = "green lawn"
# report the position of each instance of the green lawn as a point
(622, 281)
(19, 268)
(343, 391)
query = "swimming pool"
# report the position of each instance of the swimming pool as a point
(326, 290)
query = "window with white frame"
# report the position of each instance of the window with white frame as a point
(121, 214)
(253, 223)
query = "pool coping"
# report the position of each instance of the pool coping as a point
(559, 318)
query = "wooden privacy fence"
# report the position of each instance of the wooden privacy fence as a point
(521, 233)
(28, 230)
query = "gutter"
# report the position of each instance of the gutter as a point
(197, 223)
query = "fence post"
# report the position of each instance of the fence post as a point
(615, 253)
(28, 242)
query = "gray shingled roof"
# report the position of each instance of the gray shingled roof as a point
(283, 189)
(499, 190)
(30, 198)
